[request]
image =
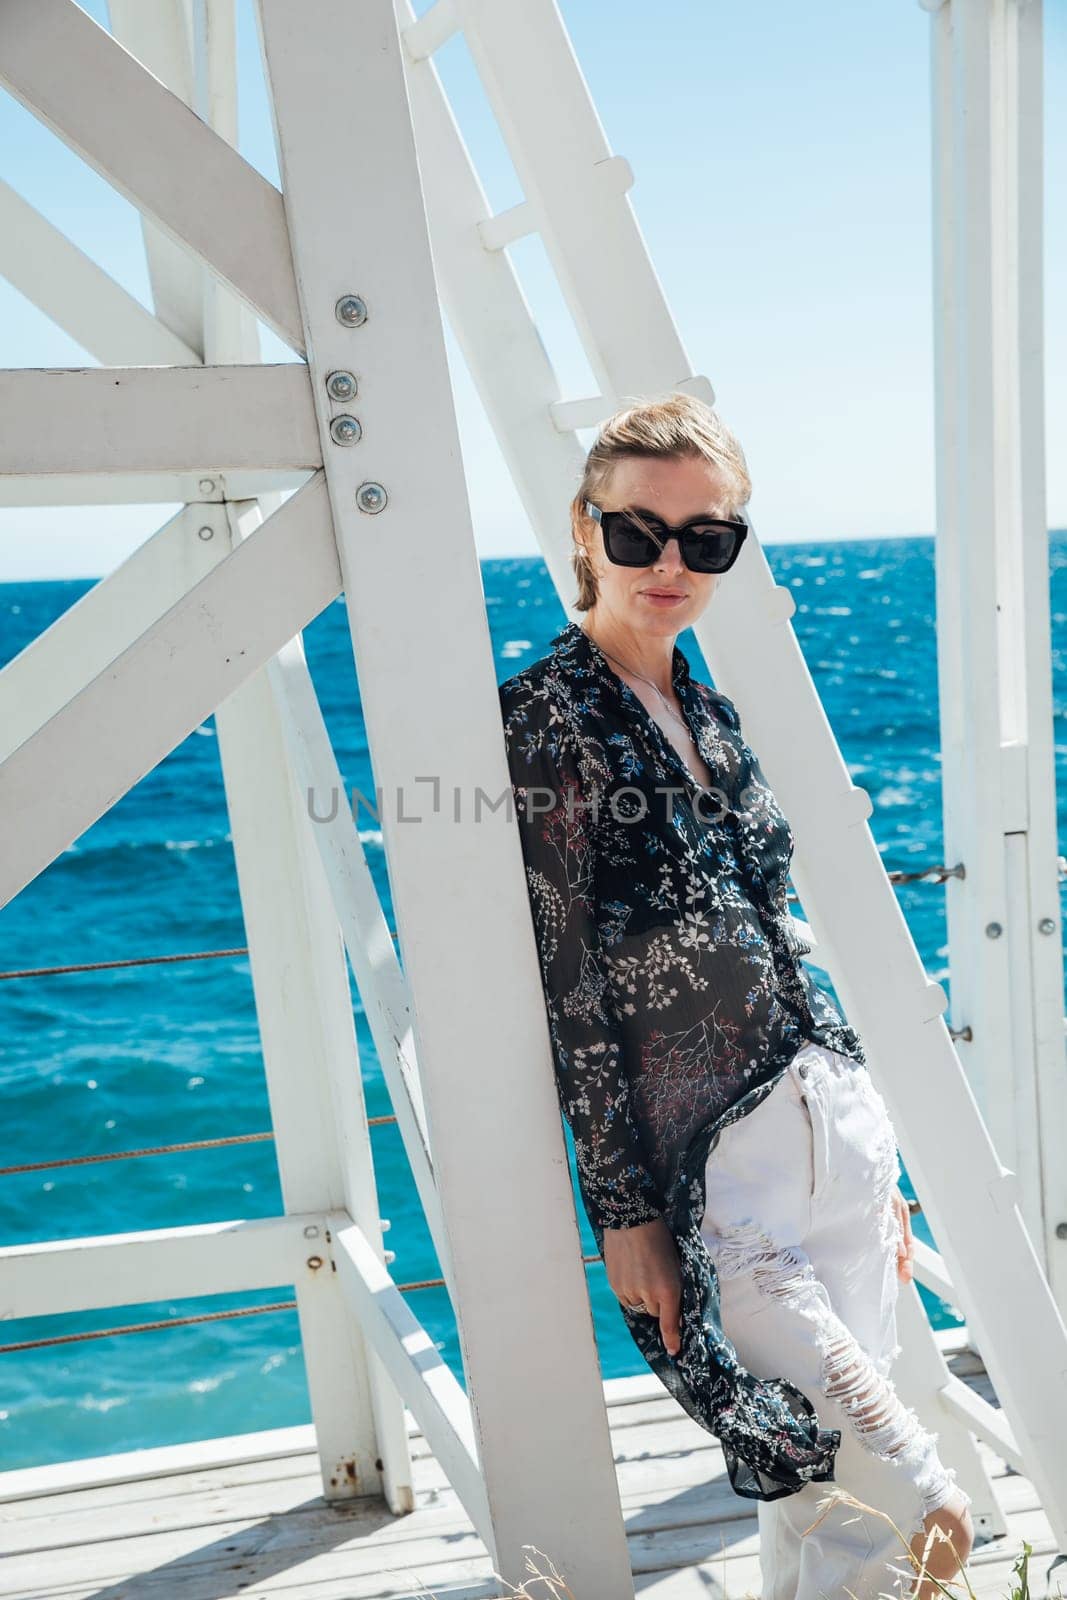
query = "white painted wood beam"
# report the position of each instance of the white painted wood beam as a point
(160, 35)
(147, 419)
(383, 987)
(433, 723)
(125, 1269)
(314, 1080)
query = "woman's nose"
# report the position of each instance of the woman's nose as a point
(670, 556)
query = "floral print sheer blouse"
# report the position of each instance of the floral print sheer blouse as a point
(675, 994)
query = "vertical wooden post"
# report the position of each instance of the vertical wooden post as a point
(366, 282)
(299, 968)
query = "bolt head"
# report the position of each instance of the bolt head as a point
(351, 310)
(1061, 1230)
(206, 486)
(311, 1231)
(1047, 925)
(341, 385)
(993, 930)
(205, 533)
(345, 430)
(371, 497)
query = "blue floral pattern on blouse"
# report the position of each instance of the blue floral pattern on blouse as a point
(675, 994)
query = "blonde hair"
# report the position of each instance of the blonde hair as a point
(670, 428)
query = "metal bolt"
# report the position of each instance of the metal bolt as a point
(311, 1231)
(207, 486)
(341, 385)
(962, 1033)
(1061, 1230)
(314, 1262)
(1047, 925)
(386, 1224)
(205, 533)
(345, 430)
(371, 497)
(351, 310)
(388, 1255)
(993, 930)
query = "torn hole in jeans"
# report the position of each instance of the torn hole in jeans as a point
(887, 1175)
(848, 1376)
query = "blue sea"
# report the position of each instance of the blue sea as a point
(94, 1062)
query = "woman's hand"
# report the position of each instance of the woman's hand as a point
(642, 1266)
(906, 1250)
(945, 1556)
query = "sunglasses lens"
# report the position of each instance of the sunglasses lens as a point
(710, 548)
(626, 545)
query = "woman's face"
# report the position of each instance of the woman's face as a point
(666, 597)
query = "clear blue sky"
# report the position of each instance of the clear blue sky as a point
(782, 161)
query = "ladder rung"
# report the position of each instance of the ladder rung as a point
(431, 31)
(614, 177)
(507, 226)
(570, 415)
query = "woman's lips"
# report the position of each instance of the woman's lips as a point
(659, 599)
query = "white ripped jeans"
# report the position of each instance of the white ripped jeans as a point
(801, 1226)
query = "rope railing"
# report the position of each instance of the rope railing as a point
(133, 961)
(158, 1150)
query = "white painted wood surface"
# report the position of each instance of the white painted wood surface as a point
(334, 816)
(304, 1013)
(296, 953)
(61, 1275)
(416, 1366)
(427, 686)
(994, 635)
(162, 37)
(245, 1516)
(198, 419)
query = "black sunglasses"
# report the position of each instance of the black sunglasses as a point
(707, 544)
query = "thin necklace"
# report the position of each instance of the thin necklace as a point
(666, 704)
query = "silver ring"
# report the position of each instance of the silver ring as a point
(638, 1305)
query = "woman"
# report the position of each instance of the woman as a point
(735, 1161)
